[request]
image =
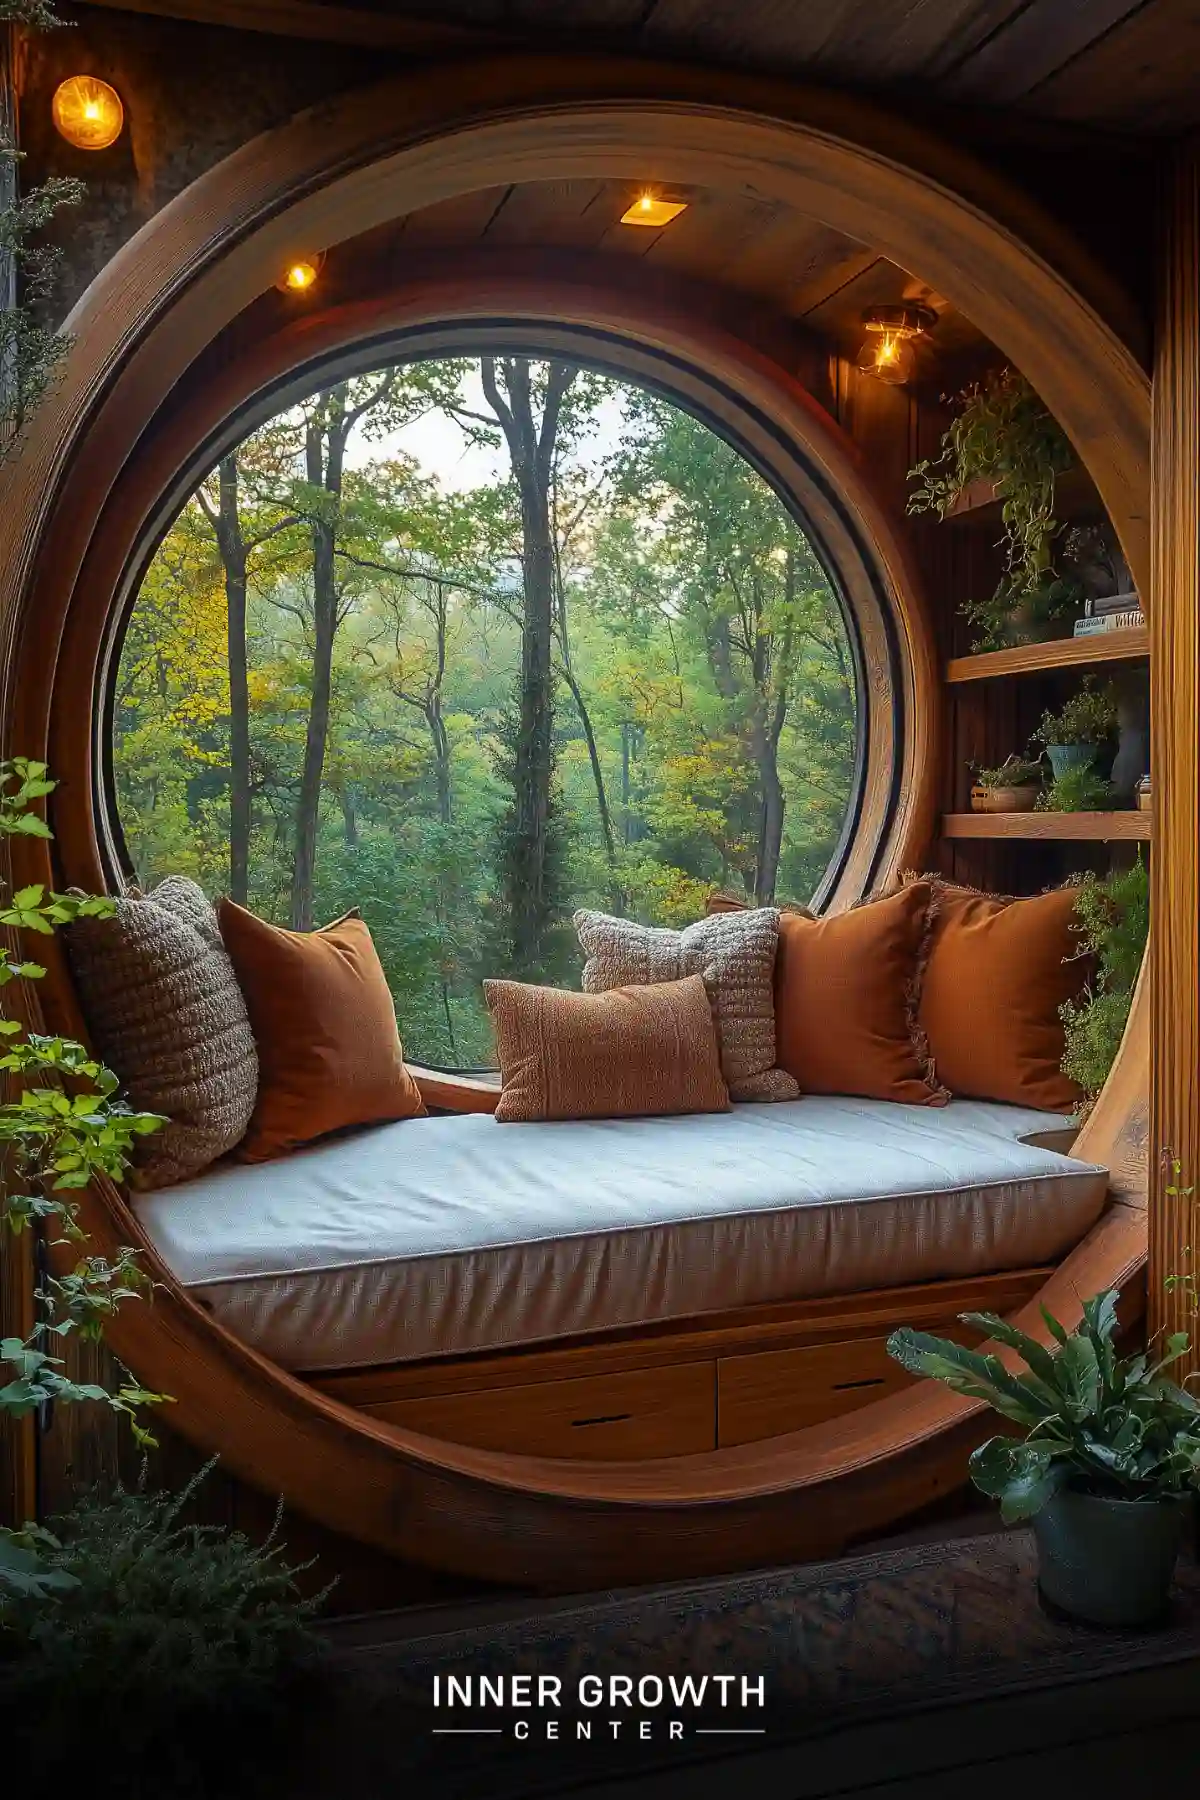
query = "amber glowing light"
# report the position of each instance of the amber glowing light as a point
(87, 112)
(301, 273)
(653, 209)
(887, 351)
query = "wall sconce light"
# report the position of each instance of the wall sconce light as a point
(654, 208)
(87, 112)
(301, 273)
(887, 351)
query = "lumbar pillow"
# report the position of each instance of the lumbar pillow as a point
(632, 1052)
(165, 1011)
(329, 1052)
(999, 969)
(735, 952)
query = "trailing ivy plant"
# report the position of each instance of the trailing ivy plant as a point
(62, 1123)
(30, 349)
(1114, 1426)
(1004, 434)
(1112, 919)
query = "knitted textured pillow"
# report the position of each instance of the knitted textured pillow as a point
(630, 1053)
(735, 952)
(165, 1012)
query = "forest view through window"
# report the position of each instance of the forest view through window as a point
(466, 644)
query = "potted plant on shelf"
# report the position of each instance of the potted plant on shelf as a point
(1077, 789)
(1109, 1463)
(1075, 736)
(1004, 436)
(1013, 787)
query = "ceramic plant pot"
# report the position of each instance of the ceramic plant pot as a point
(1109, 1562)
(1071, 756)
(1004, 799)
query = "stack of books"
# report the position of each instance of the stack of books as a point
(1113, 612)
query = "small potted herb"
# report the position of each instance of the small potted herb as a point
(1013, 787)
(1077, 789)
(1109, 1463)
(1075, 736)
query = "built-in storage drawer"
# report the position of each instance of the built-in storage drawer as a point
(638, 1413)
(784, 1390)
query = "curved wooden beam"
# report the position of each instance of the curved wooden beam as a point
(141, 328)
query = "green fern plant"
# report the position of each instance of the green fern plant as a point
(161, 1634)
(1112, 1425)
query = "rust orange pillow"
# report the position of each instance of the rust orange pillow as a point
(631, 1052)
(846, 990)
(329, 1053)
(997, 973)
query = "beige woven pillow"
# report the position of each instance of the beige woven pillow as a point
(735, 952)
(165, 1012)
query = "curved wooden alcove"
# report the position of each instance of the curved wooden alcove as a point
(140, 331)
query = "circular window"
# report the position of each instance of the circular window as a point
(468, 642)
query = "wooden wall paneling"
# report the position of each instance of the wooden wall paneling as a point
(1174, 623)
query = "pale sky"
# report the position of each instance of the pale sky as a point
(441, 450)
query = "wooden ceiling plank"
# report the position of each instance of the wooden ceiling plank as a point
(903, 39)
(869, 40)
(1038, 42)
(709, 236)
(1142, 77)
(561, 214)
(790, 256)
(464, 219)
(316, 19)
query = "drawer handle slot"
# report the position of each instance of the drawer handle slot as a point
(603, 1419)
(871, 1381)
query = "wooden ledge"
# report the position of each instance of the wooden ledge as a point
(443, 1090)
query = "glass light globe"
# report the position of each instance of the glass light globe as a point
(87, 112)
(888, 356)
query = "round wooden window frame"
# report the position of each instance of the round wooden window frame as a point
(357, 162)
(751, 400)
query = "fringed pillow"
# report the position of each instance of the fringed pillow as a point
(999, 969)
(735, 953)
(847, 995)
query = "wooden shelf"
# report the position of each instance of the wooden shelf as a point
(1060, 653)
(1075, 493)
(1097, 826)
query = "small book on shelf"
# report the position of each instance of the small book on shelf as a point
(1128, 620)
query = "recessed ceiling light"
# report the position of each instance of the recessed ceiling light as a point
(654, 208)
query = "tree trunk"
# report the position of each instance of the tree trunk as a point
(325, 447)
(531, 449)
(349, 816)
(233, 555)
